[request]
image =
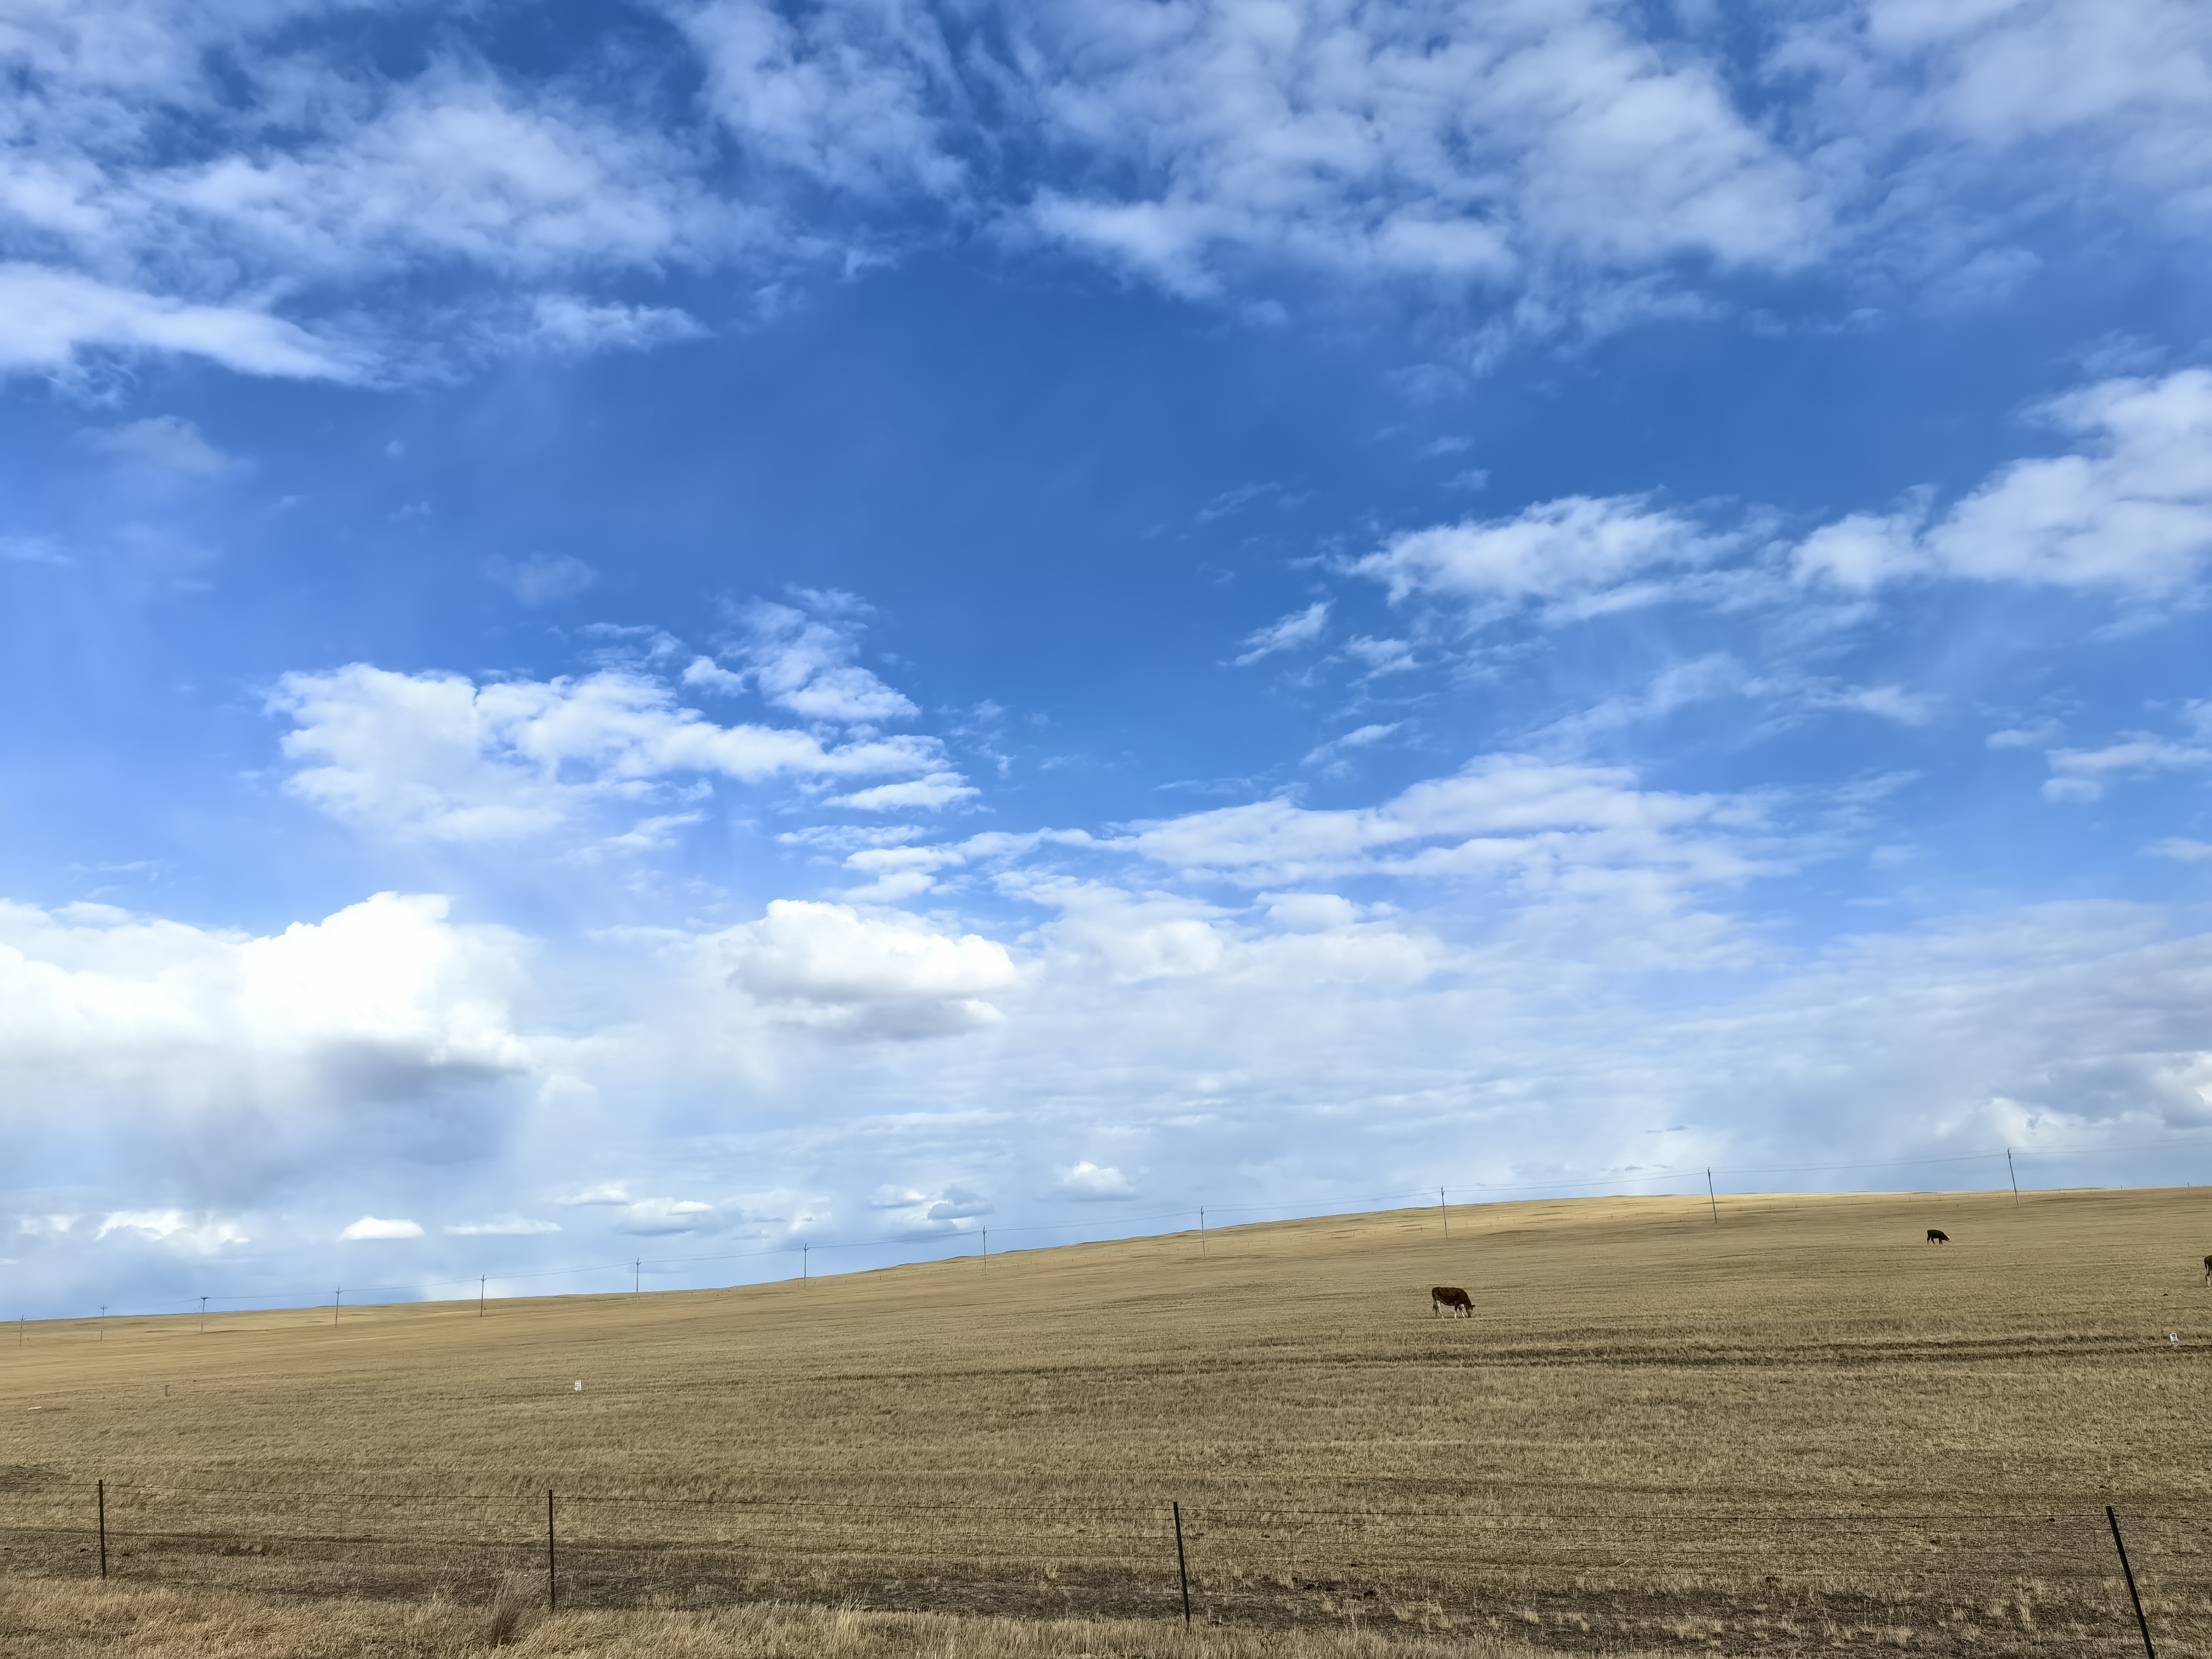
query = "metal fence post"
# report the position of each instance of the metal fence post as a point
(552, 1595)
(1183, 1568)
(2142, 1623)
(100, 1496)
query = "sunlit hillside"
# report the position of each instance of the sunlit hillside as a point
(1800, 1426)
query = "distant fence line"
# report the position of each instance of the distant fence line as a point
(977, 1241)
(157, 1530)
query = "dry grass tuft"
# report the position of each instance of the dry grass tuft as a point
(79, 1621)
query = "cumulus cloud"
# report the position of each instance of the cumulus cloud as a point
(2128, 511)
(1571, 548)
(1088, 1182)
(436, 757)
(833, 968)
(200, 1234)
(391, 974)
(370, 1226)
(804, 664)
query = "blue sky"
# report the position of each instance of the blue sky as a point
(674, 629)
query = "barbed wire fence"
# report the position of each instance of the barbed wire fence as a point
(1251, 1557)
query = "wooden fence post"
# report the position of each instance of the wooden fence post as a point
(552, 1595)
(100, 1495)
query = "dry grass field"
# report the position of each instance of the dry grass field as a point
(1801, 1429)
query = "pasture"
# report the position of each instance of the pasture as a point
(1804, 1428)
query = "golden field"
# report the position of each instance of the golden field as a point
(1802, 1428)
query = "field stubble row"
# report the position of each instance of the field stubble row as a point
(1657, 1431)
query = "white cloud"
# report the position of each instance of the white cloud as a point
(196, 1234)
(805, 665)
(1362, 736)
(1888, 702)
(957, 1204)
(579, 327)
(2070, 102)
(511, 1226)
(831, 967)
(842, 95)
(370, 1226)
(926, 794)
(1310, 912)
(2129, 510)
(165, 443)
(543, 578)
(48, 317)
(453, 166)
(1299, 628)
(435, 758)
(651, 1217)
(1493, 147)
(390, 974)
(1542, 824)
(2081, 775)
(2181, 850)
(1574, 546)
(1087, 1181)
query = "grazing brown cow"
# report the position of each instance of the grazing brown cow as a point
(1450, 1296)
(2208, 1270)
(1937, 1236)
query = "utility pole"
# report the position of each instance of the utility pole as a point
(204, 1302)
(1711, 1198)
(636, 1276)
(1445, 1214)
(335, 1295)
(103, 1322)
(2015, 1174)
(987, 1244)
(803, 1249)
(1201, 1230)
(480, 1295)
